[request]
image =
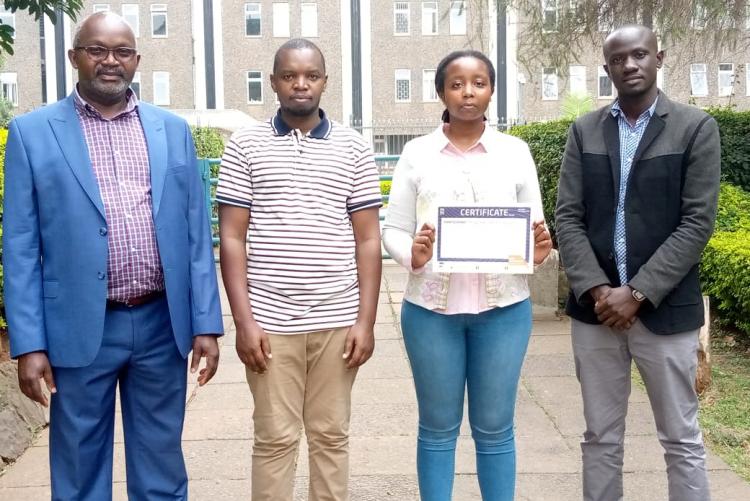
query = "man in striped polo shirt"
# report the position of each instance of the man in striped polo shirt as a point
(304, 192)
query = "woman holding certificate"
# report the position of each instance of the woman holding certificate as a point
(466, 197)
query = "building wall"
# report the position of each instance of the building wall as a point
(243, 54)
(26, 63)
(415, 52)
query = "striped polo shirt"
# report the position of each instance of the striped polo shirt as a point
(301, 190)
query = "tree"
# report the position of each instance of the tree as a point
(557, 32)
(37, 8)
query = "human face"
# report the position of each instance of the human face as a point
(104, 82)
(632, 61)
(299, 81)
(467, 90)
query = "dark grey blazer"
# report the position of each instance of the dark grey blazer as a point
(670, 209)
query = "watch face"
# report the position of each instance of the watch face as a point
(638, 296)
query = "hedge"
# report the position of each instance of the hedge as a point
(547, 144)
(734, 128)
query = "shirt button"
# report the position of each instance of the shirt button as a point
(129, 216)
(102, 231)
(133, 249)
(101, 275)
(135, 282)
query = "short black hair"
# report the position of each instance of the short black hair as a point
(443, 67)
(296, 44)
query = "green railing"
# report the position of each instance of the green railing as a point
(209, 186)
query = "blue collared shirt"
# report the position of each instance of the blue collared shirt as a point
(630, 138)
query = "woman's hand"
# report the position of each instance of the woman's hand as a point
(421, 247)
(542, 242)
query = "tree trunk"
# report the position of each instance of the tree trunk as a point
(703, 375)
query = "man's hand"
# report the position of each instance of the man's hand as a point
(31, 368)
(205, 346)
(421, 247)
(617, 308)
(360, 343)
(542, 241)
(600, 292)
(253, 347)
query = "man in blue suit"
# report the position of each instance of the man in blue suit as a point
(109, 272)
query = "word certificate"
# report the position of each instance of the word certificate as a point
(484, 239)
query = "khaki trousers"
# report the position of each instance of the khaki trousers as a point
(307, 383)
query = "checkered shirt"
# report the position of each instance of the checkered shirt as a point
(119, 158)
(630, 138)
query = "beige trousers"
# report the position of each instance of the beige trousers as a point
(307, 383)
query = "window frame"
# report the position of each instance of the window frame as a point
(277, 30)
(156, 10)
(454, 27)
(550, 6)
(135, 11)
(545, 74)
(137, 80)
(694, 70)
(430, 14)
(719, 89)
(396, 79)
(429, 90)
(407, 13)
(9, 78)
(259, 81)
(601, 73)
(260, 18)
(312, 34)
(585, 89)
(169, 93)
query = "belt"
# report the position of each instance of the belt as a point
(135, 301)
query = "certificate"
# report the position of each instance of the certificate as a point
(484, 239)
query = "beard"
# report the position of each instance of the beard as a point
(301, 110)
(107, 92)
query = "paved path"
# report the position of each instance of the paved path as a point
(218, 429)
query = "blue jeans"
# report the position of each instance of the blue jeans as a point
(484, 353)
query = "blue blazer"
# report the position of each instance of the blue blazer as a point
(55, 235)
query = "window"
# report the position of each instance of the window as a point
(401, 18)
(161, 88)
(135, 85)
(281, 20)
(549, 84)
(577, 80)
(700, 16)
(606, 18)
(255, 87)
(9, 87)
(403, 86)
(458, 18)
(252, 19)
(101, 7)
(309, 20)
(429, 94)
(7, 17)
(130, 15)
(159, 20)
(578, 13)
(604, 84)
(698, 80)
(549, 13)
(726, 79)
(429, 18)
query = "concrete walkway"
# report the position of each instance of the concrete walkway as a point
(218, 429)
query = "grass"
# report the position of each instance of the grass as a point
(725, 405)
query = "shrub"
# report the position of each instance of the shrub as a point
(734, 128)
(547, 144)
(734, 209)
(725, 272)
(385, 187)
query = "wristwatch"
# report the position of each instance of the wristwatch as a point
(637, 295)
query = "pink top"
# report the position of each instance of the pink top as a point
(467, 292)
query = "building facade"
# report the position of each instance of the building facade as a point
(381, 57)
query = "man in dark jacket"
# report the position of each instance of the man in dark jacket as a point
(636, 206)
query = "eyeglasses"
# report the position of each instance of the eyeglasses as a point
(98, 53)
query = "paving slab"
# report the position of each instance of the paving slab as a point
(217, 438)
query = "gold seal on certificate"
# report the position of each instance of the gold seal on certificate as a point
(476, 238)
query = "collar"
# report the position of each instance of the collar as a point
(320, 131)
(616, 110)
(439, 140)
(131, 104)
